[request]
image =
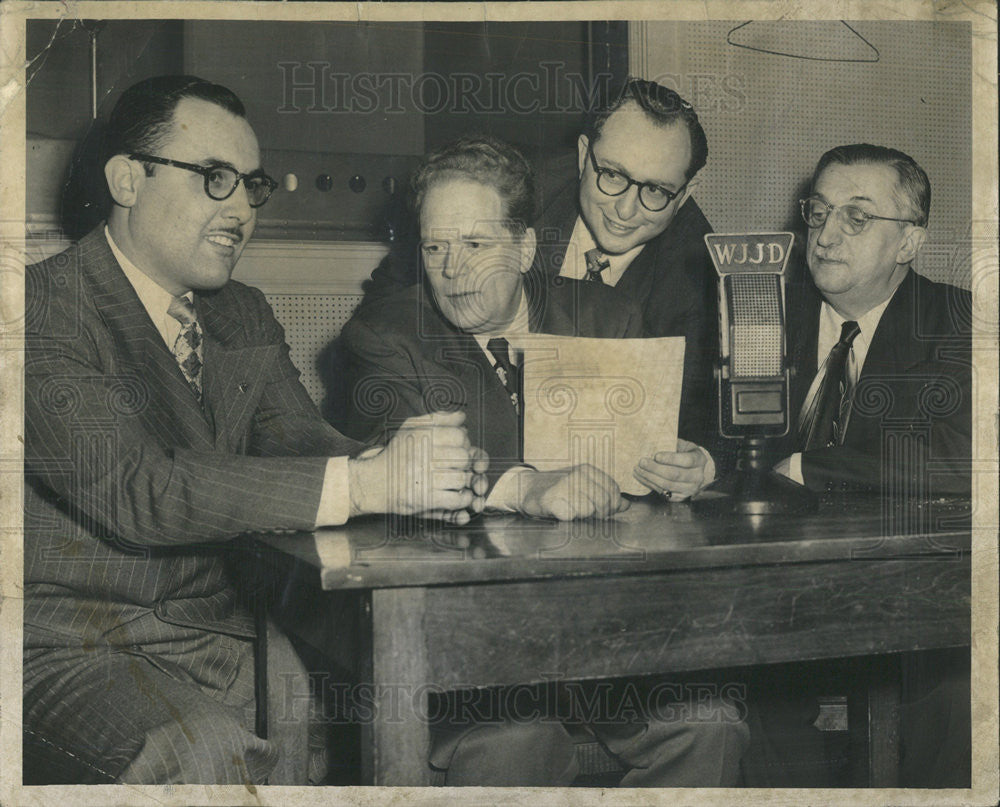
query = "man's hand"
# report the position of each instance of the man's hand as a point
(428, 468)
(682, 473)
(581, 491)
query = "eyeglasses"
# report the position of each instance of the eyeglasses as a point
(614, 183)
(851, 218)
(221, 180)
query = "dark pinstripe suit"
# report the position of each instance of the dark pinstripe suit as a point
(127, 477)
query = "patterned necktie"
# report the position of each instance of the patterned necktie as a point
(596, 263)
(499, 348)
(823, 428)
(187, 347)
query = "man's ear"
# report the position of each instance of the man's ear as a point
(684, 194)
(582, 144)
(125, 178)
(528, 243)
(913, 240)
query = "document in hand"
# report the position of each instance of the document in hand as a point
(608, 402)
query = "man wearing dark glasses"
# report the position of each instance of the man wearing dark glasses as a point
(163, 418)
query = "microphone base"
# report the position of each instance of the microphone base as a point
(754, 494)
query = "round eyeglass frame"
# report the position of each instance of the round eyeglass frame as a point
(268, 184)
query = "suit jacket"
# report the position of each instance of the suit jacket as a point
(671, 281)
(910, 428)
(400, 357)
(128, 477)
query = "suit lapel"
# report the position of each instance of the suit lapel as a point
(802, 335)
(457, 358)
(173, 409)
(553, 230)
(893, 344)
(233, 374)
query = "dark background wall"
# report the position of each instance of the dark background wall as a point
(348, 108)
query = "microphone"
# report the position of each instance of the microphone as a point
(753, 374)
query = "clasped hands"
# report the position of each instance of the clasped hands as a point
(429, 468)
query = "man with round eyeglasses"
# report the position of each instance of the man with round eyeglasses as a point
(163, 420)
(628, 222)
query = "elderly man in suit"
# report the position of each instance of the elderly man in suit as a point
(445, 344)
(881, 401)
(882, 354)
(163, 417)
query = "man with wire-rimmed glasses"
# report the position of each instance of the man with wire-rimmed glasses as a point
(870, 338)
(163, 420)
(881, 398)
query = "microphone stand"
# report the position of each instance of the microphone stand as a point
(754, 489)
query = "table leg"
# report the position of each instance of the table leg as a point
(396, 740)
(873, 721)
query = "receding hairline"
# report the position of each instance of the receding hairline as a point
(677, 123)
(904, 204)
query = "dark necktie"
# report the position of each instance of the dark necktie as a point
(187, 347)
(499, 348)
(824, 427)
(596, 263)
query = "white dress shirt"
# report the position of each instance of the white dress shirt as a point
(830, 323)
(574, 263)
(335, 500)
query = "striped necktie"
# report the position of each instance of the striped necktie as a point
(823, 426)
(188, 345)
(596, 263)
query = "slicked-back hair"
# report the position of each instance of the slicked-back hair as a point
(490, 162)
(913, 189)
(142, 119)
(663, 107)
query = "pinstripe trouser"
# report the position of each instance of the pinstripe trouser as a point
(151, 714)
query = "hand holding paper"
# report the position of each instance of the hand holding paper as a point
(683, 472)
(607, 403)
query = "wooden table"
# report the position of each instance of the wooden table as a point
(656, 590)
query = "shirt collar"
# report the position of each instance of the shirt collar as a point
(521, 324)
(154, 298)
(830, 323)
(581, 242)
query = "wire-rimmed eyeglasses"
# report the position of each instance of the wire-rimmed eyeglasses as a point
(610, 182)
(851, 218)
(221, 181)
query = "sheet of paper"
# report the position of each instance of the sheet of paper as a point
(603, 401)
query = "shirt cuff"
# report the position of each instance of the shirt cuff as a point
(794, 469)
(506, 494)
(708, 473)
(335, 500)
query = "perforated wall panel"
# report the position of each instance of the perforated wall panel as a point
(311, 322)
(769, 116)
